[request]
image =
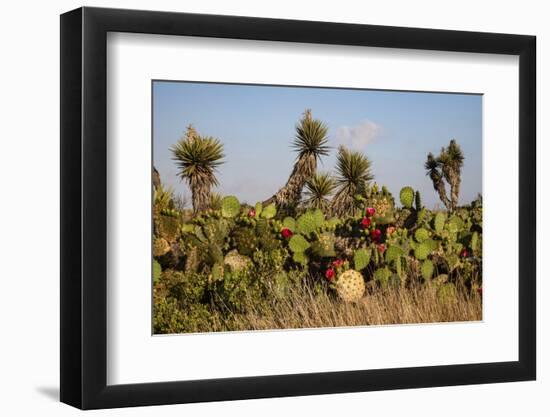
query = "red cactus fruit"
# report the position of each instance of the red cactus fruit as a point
(286, 233)
(329, 274)
(252, 213)
(337, 263)
(365, 222)
(370, 211)
(381, 248)
(464, 253)
(375, 234)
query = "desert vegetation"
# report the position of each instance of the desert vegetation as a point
(327, 249)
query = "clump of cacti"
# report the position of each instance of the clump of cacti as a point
(253, 249)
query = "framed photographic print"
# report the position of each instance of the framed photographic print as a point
(257, 207)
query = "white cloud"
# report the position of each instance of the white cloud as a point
(358, 136)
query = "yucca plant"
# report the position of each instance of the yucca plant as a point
(452, 160)
(311, 143)
(319, 188)
(197, 158)
(353, 175)
(448, 166)
(432, 167)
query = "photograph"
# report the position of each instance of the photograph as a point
(288, 207)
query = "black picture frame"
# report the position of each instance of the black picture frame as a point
(84, 207)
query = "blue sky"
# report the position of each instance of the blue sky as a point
(257, 124)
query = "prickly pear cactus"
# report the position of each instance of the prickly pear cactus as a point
(157, 271)
(474, 241)
(406, 196)
(427, 269)
(230, 206)
(382, 276)
(350, 286)
(258, 209)
(421, 235)
(298, 244)
(439, 222)
(324, 246)
(361, 259)
(269, 212)
(417, 201)
(300, 258)
(289, 223)
(306, 223)
(422, 251)
(393, 253)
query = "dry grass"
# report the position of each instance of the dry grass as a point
(306, 309)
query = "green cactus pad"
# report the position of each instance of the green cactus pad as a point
(258, 209)
(382, 276)
(421, 215)
(269, 212)
(298, 244)
(439, 222)
(452, 261)
(432, 244)
(474, 241)
(421, 235)
(306, 223)
(157, 271)
(319, 218)
(301, 258)
(289, 223)
(187, 228)
(406, 196)
(230, 206)
(427, 269)
(422, 251)
(324, 246)
(455, 223)
(361, 258)
(417, 201)
(393, 253)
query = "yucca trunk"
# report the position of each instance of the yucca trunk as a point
(455, 191)
(289, 195)
(343, 203)
(439, 186)
(200, 196)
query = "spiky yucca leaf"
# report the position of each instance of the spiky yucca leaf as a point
(197, 158)
(163, 198)
(353, 175)
(319, 188)
(215, 201)
(311, 143)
